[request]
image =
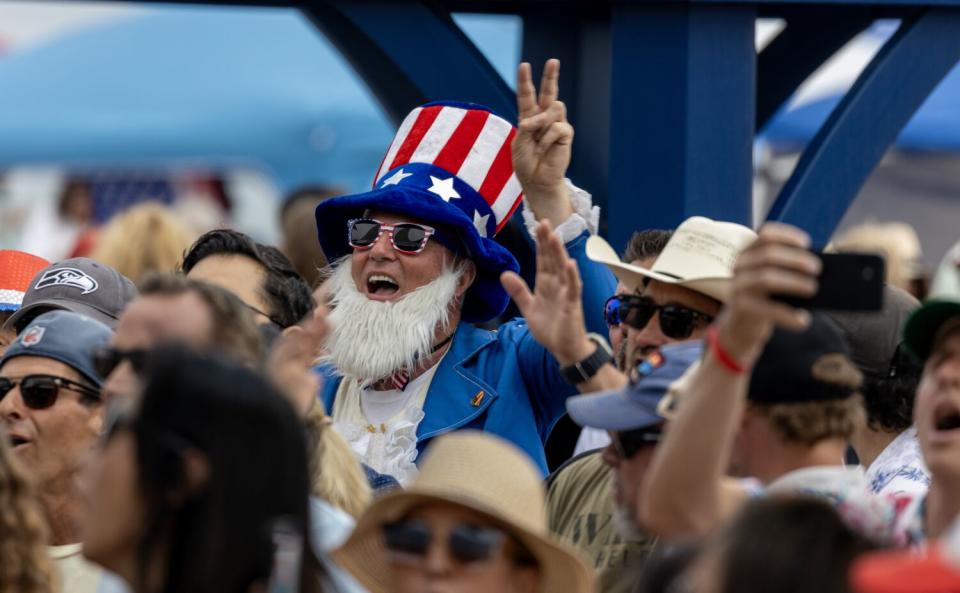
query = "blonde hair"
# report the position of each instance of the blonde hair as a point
(145, 238)
(811, 422)
(897, 242)
(335, 474)
(25, 566)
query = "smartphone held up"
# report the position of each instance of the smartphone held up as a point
(847, 282)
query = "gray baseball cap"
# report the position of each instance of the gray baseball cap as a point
(68, 337)
(874, 336)
(78, 284)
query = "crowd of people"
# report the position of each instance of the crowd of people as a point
(355, 415)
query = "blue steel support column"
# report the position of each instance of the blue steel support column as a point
(867, 121)
(682, 115)
(582, 43)
(410, 53)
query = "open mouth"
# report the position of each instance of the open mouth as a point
(16, 441)
(946, 417)
(382, 285)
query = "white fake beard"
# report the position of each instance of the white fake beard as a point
(371, 340)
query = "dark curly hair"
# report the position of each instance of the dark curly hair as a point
(888, 401)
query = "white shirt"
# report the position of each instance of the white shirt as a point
(77, 574)
(846, 488)
(385, 438)
(899, 469)
(381, 406)
(591, 438)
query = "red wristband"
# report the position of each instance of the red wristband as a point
(725, 359)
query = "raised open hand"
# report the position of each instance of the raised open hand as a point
(553, 311)
(542, 145)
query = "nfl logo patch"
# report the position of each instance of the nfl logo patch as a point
(33, 336)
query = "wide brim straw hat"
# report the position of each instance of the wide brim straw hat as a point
(699, 255)
(481, 473)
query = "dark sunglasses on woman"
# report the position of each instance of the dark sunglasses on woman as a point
(105, 360)
(676, 321)
(41, 391)
(409, 541)
(406, 237)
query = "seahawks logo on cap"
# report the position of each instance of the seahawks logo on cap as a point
(67, 277)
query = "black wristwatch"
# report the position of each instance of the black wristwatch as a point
(584, 370)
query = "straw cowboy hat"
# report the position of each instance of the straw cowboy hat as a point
(483, 473)
(699, 256)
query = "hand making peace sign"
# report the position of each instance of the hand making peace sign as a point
(542, 145)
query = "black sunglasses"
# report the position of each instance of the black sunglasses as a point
(40, 391)
(107, 359)
(406, 237)
(629, 442)
(676, 321)
(409, 541)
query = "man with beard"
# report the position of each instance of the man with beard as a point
(589, 499)
(416, 265)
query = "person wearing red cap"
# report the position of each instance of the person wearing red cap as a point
(17, 268)
(936, 570)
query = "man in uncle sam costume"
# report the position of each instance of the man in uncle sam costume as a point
(416, 265)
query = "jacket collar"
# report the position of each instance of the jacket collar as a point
(460, 394)
(457, 394)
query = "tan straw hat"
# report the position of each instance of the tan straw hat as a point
(699, 256)
(483, 473)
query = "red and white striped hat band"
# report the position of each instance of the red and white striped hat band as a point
(466, 141)
(17, 269)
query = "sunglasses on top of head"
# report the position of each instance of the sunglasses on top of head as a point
(676, 321)
(406, 237)
(409, 543)
(629, 442)
(41, 391)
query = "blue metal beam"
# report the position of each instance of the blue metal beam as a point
(813, 35)
(867, 121)
(582, 43)
(409, 52)
(682, 113)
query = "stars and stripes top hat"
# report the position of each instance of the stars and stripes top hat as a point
(17, 269)
(450, 166)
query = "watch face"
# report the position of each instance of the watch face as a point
(588, 367)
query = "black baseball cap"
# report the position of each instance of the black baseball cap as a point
(78, 284)
(812, 365)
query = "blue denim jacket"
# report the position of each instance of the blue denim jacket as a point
(503, 382)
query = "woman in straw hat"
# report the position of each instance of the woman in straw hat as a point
(474, 520)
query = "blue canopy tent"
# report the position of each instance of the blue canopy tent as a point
(213, 87)
(935, 127)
